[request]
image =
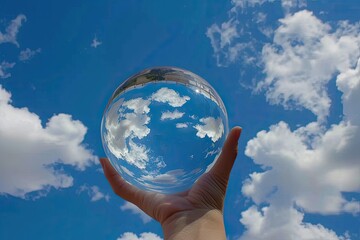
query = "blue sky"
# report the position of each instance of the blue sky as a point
(287, 71)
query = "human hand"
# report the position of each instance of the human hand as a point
(193, 214)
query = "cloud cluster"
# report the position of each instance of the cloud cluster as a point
(127, 121)
(12, 30)
(233, 39)
(310, 167)
(142, 236)
(132, 125)
(31, 155)
(303, 58)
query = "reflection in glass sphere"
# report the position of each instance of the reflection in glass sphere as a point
(163, 128)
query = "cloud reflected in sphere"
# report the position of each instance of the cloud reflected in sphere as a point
(163, 128)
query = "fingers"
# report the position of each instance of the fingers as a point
(119, 185)
(225, 162)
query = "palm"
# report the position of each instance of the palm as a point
(206, 194)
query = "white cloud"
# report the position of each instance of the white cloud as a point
(170, 177)
(275, 222)
(12, 30)
(135, 210)
(4, 66)
(211, 127)
(310, 167)
(181, 125)
(173, 98)
(121, 132)
(27, 54)
(326, 160)
(142, 236)
(95, 42)
(94, 193)
(349, 83)
(248, 3)
(286, 4)
(233, 39)
(224, 41)
(171, 115)
(31, 153)
(304, 57)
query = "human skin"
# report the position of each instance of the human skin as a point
(194, 214)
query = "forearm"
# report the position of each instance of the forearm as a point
(204, 224)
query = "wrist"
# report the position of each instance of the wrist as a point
(199, 224)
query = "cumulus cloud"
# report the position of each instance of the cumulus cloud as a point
(135, 210)
(94, 193)
(171, 115)
(12, 30)
(4, 66)
(173, 98)
(211, 127)
(123, 129)
(31, 153)
(95, 42)
(304, 56)
(322, 164)
(273, 223)
(28, 54)
(142, 236)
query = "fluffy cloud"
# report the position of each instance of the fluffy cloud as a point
(31, 153)
(310, 167)
(171, 115)
(313, 166)
(211, 127)
(12, 30)
(304, 57)
(27, 54)
(326, 160)
(173, 98)
(121, 132)
(94, 193)
(273, 223)
(142, 236)
(135, 210)
(233, 39)
(4, 66)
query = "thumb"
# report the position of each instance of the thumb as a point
(225, 162)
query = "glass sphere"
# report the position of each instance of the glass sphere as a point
(163, 128)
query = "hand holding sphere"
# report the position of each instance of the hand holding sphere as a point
(173, 160)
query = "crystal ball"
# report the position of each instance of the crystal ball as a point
(163, 128)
